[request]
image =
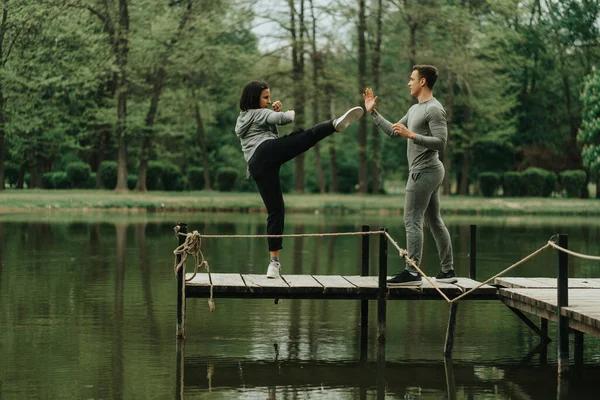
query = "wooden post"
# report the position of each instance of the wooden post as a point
(180, 285)
(578, 349)
(381, 383)
(450, 330)
(563, 301)
(382, 295)
(180, 370)
(473, 253)
(364, 304)
(450, 382)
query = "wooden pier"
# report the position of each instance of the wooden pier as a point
(538, 296)
(325, 287)
(573, 303)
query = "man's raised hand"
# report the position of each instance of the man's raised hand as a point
(370, 100)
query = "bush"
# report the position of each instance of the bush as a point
(11, 173)
(488, 183)
(171, 177)
(347, 177)
(108, 174)
(226, 177)
(47, 182)
(131, 181)
(91, 182)
(549, 183)
(78, 173)
(60, 180)
(153, 175)
(512, 184)
(195, 178)
(573, 182)
(534, 181)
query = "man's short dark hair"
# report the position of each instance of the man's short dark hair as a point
(251, 95)
(429, 72)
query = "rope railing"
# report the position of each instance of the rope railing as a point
(191, 246)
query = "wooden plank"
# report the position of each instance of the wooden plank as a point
(230, 283)
(303, 284)
(583, 310)
(590, 283)
(335, 284)
(301, 281)
(551, 316)
(365, 284)
(467, 284)
(262, 284)
(521, 283)
(199, 280)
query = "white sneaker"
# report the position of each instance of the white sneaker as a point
(352, 115)
(273, 270)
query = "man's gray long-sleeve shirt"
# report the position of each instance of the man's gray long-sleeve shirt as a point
(257, 125)
(428, 121)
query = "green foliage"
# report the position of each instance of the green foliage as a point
(170, 176)
(78, 173)
(549, 183)
(488, 183)
(195, 178)
(512, 184)
(47, 180)
(131, 181)
(226, 178)
(91, 182)
(538, 182)
(60, 180)
(108, 174)
(573, 182)
(11, 173)
(589, 134)
(153, 175)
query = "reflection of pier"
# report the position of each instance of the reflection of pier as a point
(520, 381)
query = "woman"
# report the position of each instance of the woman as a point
(266, 152)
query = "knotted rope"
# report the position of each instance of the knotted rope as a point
(191, 246)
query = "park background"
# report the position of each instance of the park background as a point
(143, 95)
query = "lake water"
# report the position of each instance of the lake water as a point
(88, 311)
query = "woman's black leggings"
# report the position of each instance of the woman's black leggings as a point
(264, 168)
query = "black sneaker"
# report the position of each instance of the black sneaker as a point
(446, 277)
(405, 278)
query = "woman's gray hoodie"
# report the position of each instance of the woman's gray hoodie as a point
(257, 125)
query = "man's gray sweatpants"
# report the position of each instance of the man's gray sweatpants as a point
(422, 202)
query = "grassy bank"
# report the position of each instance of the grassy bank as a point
(102, 200)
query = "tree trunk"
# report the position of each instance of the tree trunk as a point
(464, 179)
(2, 135)
(333, 171)
(122, 50)
(158, 85)
(376, 64)
(203, 146)
(297, 31)
(21, 177)
(2, 99)
(362, 125)
(447, 183)
(159, 79)
(317, 64)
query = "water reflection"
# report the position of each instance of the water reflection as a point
(87, 310)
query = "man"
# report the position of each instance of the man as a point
(424, 126)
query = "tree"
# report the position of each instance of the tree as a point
(589, 133)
